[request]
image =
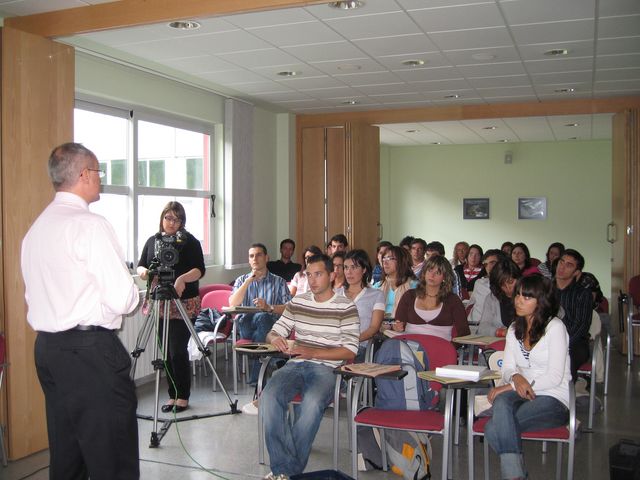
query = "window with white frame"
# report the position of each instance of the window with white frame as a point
(149, 160)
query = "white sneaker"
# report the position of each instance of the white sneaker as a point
(251, 408)
(271, 476)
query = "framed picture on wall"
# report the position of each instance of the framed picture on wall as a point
(532, 208)
(475, 208)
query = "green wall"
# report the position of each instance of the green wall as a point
(107, 82)
(422, 190)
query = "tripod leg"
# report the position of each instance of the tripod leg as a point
(205, 351)
(142, 341)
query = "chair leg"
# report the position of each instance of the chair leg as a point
(485, 450)
(383, 449)
(630, 335)
(544, 448)
(606, 364)
(559, 462)
(592, 400)
(3, 447)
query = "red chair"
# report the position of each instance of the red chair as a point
(217, 299)
(588, 368)
(204, 289)
(440, 352)
(560, 435)
(3, 365)
(603, 310)
(633, 314)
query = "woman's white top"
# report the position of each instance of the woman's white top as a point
(300, 282)
(548, 363)
(367, 301)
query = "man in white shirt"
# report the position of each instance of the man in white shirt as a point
(77, 288)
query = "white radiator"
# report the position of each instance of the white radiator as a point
(131, 326)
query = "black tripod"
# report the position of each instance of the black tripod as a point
(160, 297)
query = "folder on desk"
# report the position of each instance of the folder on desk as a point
(467, 372)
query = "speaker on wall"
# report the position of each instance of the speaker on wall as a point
(508, 158)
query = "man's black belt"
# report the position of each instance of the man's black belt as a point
(89, 328)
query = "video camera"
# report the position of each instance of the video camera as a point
(166, 255)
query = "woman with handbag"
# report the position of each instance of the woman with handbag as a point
(188, 271)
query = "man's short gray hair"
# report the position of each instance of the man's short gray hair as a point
(66, 163)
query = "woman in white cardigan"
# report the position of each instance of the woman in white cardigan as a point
(536, 372)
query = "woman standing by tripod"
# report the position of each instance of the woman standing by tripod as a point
(187, 271)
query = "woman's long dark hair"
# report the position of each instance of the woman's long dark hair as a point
(540, 288)
(360, 258)
(312, 249)
(527, 255)
(442, 265)
(404, 271)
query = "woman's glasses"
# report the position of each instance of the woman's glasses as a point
(174, 220)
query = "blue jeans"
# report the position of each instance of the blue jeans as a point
(513, 415)
(289, 442)
(254, 327)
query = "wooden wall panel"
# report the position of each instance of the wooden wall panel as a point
(310, 222)
(37, 114)
(336, 178)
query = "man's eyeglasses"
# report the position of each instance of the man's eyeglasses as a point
(388, 259)
(101, 174)
(174, 220)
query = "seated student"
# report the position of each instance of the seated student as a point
(406, 242)
(338, 243)
(285, 267)
(498, 311)
(507, 247)
(368, 300)
(577, 304)
(434, 248)
(381, 250)
(338, 270)
(460, 251)
(521, 256)
(326, 329)
(417, 250)
(299, 283)
(471, 270)
(554, 252)
(397, 277)
(590, 282)
(432, 308)
(536, 371)
(264, 290)
(481, 289)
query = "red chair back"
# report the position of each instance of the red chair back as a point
(218, 299)
(603, 306)
(439, 351)
(204, 289)
(634, 290)
(498, 345)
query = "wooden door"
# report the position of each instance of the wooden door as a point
(311, 190)
(37, 114)
(336, 179)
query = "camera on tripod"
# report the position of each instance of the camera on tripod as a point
(166, 255)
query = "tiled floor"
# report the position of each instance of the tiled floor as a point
(227, 446)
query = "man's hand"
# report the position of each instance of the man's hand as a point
(304, 352)
(398, 326)
(280, 343)
(262, 304)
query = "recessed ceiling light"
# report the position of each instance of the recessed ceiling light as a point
(436, 143)
(573, 138)
(350, 102)
(184, 25)
(503, 140)
(347, 4)
(453, 95)
(288, 73)
(492, 127)
(483, 56)
(413, 63)
(565, 90)
(349, 67)
(412, 131)
(557, 52)
(571, 124)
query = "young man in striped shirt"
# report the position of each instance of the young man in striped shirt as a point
(326, 327)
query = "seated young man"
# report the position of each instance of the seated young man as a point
(327, 330)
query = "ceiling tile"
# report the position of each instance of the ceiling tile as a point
(553, 65)
(224, 42)
(399, 45)
(400, 97)
(561, 78)
(283, 96)
(619, 27)
(463, 94)
(477, 38)
(618, 7)
(207, 25)
(303, 83)
(325, 52)
(431, 59)
(506, 81)
(296, 34)
(334, 92)
(268, 57)
(377, 78)
(575, 30)
(374, 26)
(510, 99)
(495, 54)
(526, 11)
(492, 69)
(28, 7)
(361, 65)
(271, 18)
(530, 129)
(428, 74)
(420, 4)
(157, 50)
(618, 74)
(580, 91)
(389, 89)
(232, 77)
(458, 101)
(303, 70)
(618, 61)
(458, 17)
(200, 64)
(124, 36)
(264, 86)
(626, 85)
(506, 91)
(444, 86)
(612, 46)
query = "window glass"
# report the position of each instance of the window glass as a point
(108, 137)
(115, 208)
(176, 158)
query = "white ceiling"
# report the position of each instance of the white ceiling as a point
(482, 51)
